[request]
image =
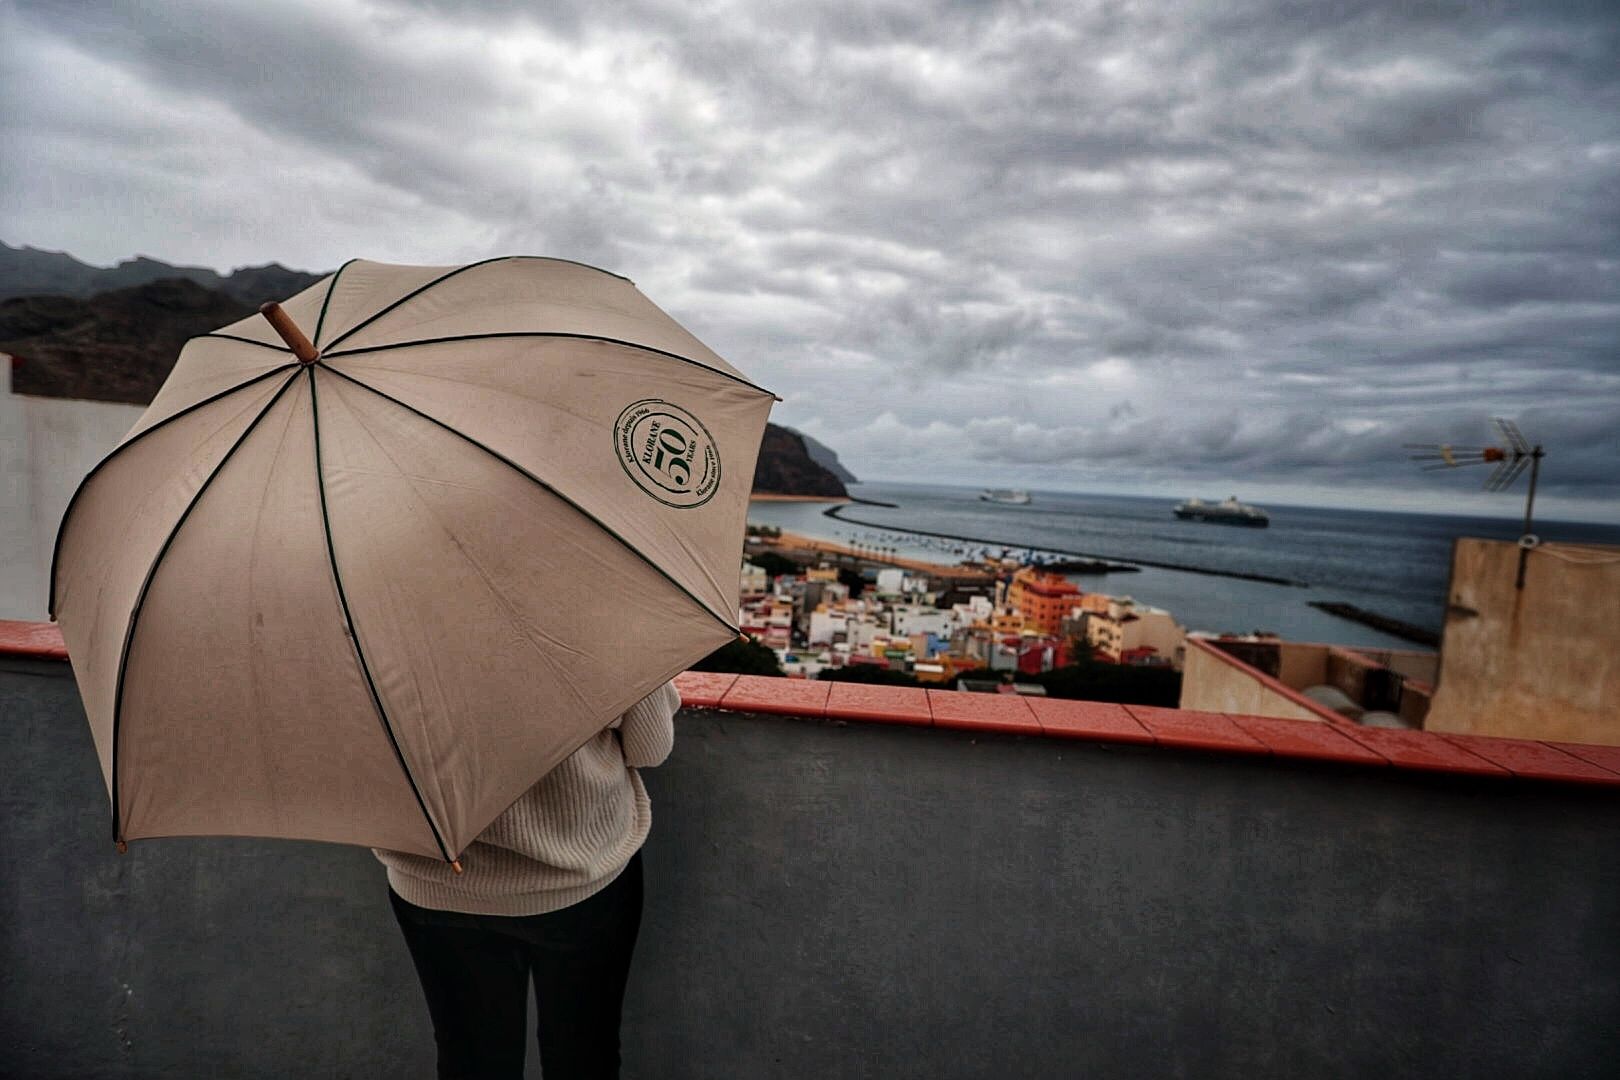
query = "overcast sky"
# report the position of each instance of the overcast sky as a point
(1170, 249)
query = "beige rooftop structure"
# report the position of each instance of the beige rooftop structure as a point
(1307, 681)
(1531, 663)
(1542, 662)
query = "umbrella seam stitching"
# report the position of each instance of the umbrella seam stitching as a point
(242, 340)
(354, 634)
(520, 470)
(558, 335)
(67, 514)
(326, 301)
(146, 585)
(470, 266)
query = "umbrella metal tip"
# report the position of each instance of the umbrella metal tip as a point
(455, 864)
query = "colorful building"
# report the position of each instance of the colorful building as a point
(1043, 599)
(1129, 632)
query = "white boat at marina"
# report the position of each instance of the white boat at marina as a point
(1226, 512)
(1010, 496)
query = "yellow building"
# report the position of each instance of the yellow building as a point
(1128, 631)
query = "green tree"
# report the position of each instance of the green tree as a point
(773, 564)
(741, 658)
(867, 673)
(1122, 683)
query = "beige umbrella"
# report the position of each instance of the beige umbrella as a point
(370, 585)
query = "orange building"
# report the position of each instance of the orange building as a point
(1043, 599)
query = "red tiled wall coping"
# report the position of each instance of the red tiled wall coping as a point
(1180, 729)
(41, 640)
(1259, 736)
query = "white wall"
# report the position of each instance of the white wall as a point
(910, 620)
(47, 445)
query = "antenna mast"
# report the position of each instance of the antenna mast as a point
(1510, 459)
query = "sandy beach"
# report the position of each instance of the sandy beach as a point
(764, 497)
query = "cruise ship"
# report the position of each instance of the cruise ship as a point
(1226, 512)
(1004, 495)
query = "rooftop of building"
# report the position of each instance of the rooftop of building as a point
(1336, 683)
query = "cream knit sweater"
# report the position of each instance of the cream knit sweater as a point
(565, 838)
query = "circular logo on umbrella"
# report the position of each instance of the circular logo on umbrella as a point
(668, 452)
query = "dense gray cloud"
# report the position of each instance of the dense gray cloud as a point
(1246, 245)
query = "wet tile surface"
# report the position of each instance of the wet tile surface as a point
(879, 704)
(1196, 730)
(1533, 760)
(760, 693)
(985, 712)
(1098, 720)
(1307, 739)
(703, 689)
(1423, 750)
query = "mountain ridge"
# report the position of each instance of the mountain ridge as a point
(119, 344)
(826, 457)
(31, 271)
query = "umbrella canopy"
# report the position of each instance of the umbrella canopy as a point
(372, 593)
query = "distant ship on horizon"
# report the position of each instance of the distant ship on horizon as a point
(1226, 512)
(1010, 496)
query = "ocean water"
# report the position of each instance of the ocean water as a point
(1394, 564)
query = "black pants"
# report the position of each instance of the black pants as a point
(475, 971)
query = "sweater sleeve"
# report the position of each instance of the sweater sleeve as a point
(647, 730)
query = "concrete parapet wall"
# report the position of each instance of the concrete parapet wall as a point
(872, 900)
(1539, 662)
(1302, 664)
(1211, 682)
(1412, 664)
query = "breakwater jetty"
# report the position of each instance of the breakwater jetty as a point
(1420, 634)
(835, 512)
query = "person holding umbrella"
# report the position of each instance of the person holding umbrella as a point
(552, 892)
(408, 563)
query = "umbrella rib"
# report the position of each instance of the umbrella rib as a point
(499, 258)
(409, 296)
(56, 551)
(327, 300)
(551, 334)
(520, 470)
(146, 585)
(245, 341)
(354, 635)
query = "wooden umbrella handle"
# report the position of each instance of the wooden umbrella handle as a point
(294, 337)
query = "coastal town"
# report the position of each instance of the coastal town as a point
(1007, 622)
(835, 608)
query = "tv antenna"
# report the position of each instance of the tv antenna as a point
(1510, 456)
